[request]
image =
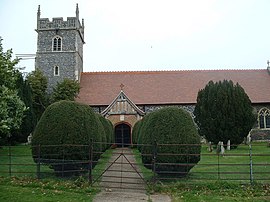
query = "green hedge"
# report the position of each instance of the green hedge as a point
(67, 123)
(108, 127)
(170, 125)
(112, 131)
(136, 131)
(143, 125)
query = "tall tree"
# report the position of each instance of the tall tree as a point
(66, 90)
(38, 83)
(29, 120)
(11, 106)
(223, 112)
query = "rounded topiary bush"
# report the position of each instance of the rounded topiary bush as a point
(60, 132)
(135, 132)
(108, 128)
(171, 125)
(143, 124)
(111, 139)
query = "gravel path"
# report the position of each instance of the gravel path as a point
(123, 180)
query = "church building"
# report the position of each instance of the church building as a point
(125, 97)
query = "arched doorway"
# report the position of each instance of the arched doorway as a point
(122, 135)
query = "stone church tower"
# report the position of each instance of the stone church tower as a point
(60, 48)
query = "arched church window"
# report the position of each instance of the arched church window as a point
(56, 71)
(264, 118)
(57, 43)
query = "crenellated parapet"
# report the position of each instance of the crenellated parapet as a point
(59, 23)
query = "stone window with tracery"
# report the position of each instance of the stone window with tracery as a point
(264, 118)
(57, 43)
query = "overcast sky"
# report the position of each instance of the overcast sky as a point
(129, 35)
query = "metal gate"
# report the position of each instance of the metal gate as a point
(122, 172)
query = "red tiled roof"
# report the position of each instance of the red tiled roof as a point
(168, 87)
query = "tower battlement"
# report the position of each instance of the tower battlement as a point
(58, 23)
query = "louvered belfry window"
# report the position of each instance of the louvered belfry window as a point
(57, 43)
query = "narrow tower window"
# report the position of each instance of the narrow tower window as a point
(57, 43)
(56, 71)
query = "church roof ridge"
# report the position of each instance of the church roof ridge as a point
(168, 71)
(164, 87)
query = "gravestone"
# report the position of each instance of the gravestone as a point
(210, 147)
(220, 148)
(229, 145)
(29, 139)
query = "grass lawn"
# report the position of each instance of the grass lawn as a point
(202, 183)
(234, 165)
(23, 185)
(195, 187)
(101, 166)
(29, 189)
(147, 173)
(215, 191)
(20, 155)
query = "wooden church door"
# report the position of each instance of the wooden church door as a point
(122, 135)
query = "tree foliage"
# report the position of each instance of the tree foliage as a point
(108, 128)
(38, 83)
(223, 112)
(29, 121)
(139, 131)
(11, 112)
(136, 131)
(8, 72)
(63, 124)
(11, 106)
(170, 125)
(66, 90)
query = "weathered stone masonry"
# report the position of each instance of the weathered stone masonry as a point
(70, 58)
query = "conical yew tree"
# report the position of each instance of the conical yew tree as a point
(223, 112)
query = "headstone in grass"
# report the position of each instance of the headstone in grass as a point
(210, 147)
(220, 148)
(229, 145)
(29, 139)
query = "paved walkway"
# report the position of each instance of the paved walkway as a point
(123, 180)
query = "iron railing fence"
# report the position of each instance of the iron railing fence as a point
(164, 162)
(245, 164)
